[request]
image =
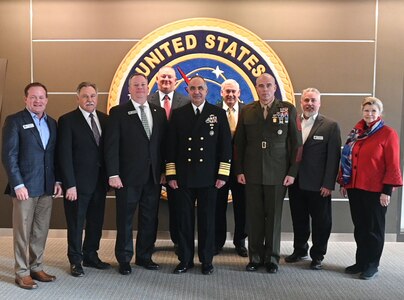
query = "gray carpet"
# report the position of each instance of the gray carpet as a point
(229, 281)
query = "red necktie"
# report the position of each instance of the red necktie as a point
(167, 106)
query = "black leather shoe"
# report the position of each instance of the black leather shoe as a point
(76, 270)
(98, 264)
(148, 264)
(252, 267)
(295, 257)
(242, 251)
(182, 268)
(207, 269)
(125, 268)
(354, 269)
(271, 268)
(316, 264)
(368, 274)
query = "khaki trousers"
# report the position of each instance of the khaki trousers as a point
(31, 220)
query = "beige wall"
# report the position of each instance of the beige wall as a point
(347, 49)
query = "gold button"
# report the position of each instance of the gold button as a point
(189, 149)
(189, 139)
(201, 149)
(189, 159)
(201, 160)
(201, 138)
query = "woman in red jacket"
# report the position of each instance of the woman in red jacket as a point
(370, 169)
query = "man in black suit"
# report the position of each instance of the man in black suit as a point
(82, 170)
(198, 163)
(310, 195)
(169, 99)
(230, 91)
(28, 150)
(135, 167)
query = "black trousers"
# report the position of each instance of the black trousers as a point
(127, 199)
(303, 205)
(264, 205)
(87, 211)
(185, 198)
(172, 214)
(238, 196)
(369, 219)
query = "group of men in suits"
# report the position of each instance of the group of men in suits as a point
(185, 144)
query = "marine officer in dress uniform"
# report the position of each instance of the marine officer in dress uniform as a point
(198, 163)
(267, 143)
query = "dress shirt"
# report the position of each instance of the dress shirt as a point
(200, 107)
(307, 124)
(86, 116)
(235, 110)
(147, 112)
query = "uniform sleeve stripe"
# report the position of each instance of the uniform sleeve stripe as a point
(170, 169)
(224, 169)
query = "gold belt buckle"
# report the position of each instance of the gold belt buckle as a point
(263, 145)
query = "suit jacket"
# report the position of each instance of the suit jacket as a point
(266, 149)
(81, 161)
(240, 107)
(24, 158)
(177, 101)
(199, 150)
(321, 153)
(128, 151)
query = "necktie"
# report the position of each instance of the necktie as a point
(167, 106)
(232, 120)
(265, 111)
(144, 120)
(95, 130)
(198, 113)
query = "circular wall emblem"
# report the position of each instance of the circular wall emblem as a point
(212, 48)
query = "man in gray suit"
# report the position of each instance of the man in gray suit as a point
(310, 195)
(29, 140)
(169, 99)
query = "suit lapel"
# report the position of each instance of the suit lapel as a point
(27, 118)
(316, 125)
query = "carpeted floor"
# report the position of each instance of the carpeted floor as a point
(229, 280)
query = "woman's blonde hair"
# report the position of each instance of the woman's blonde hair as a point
(373, 101)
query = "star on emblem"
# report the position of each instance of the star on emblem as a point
(217, 72)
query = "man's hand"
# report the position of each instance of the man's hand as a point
(173, 184)
(241, 179)
(71, 194)
(115, 182)
(57, 190)
(324, 192)
(220, 183)
(22, 193)
(288, 180)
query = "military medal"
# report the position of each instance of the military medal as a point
(280, 118)
(211, 133)
(274, 118)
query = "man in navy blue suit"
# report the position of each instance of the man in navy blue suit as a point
(29, 139)
(82, 170)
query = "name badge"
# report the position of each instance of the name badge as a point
(318, 137)
(132, 112)
(27, 126)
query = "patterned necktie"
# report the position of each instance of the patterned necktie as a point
(232, 120)
(144, 121)
(167, 105)
(95, 130)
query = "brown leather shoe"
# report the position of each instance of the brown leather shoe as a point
(26, 282)
(42, 276)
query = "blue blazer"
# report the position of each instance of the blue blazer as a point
(24, 158)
